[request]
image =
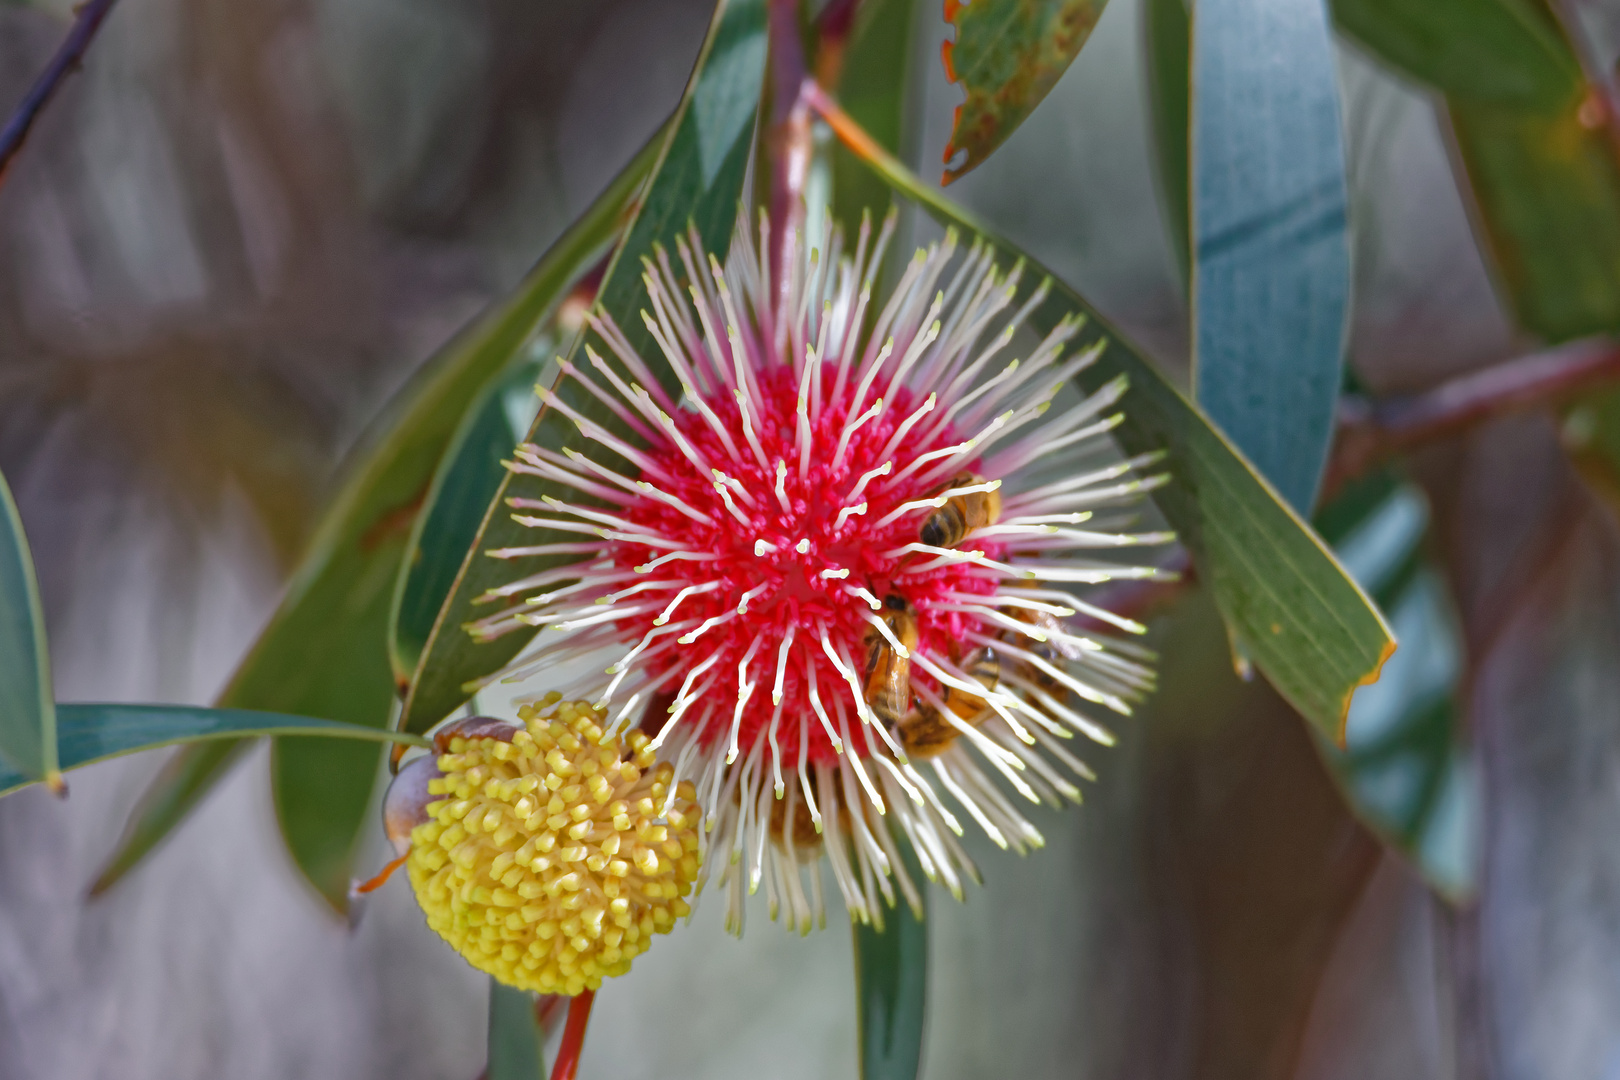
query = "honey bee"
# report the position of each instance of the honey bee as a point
(961, 514)
(984, 667)
(1054, 651)
(925, 733)
(888, 674)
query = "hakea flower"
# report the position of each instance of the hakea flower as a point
(832, 578)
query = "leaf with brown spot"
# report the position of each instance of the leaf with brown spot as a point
(1007, 56)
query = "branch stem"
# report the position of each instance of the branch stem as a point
(67, 59)
(1370, 432)
(788, 139)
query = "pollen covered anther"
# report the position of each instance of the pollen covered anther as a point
(549, 858)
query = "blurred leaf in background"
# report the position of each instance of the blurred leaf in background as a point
(27, 701)
(1406, 765)
(1506, 52)
(874, 80)
(325, 652)
(1532, 150)
(1547, 187)
(1167, 33)
(517, 1042)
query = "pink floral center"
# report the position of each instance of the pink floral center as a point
(802, 546)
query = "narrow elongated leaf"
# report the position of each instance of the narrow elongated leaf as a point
(891, 989)
(873, 87)
(325, 651)
(91, 733)
(1271, 253)
(27, 707)
(1168, 38)
(1547, 191)
(1304, 621)
(1007, 56)
(467, 479)
(517, 1043)
(1506, 52)
(1405, 767)
(698, 180)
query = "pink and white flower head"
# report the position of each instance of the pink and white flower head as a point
(831, 578)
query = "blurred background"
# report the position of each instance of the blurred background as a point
(243, 225)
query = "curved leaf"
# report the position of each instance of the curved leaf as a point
(874, 86)
(1405, 767)
(1547, 191)
(517, 1042)
(698, 181)
(1304, 621)
(467, 479)
(92, 733)
(28, 739)
(325, 650)
(891, 989)
(1167, 30)
(1271, 253)
(1007, 56)
(1507, 52)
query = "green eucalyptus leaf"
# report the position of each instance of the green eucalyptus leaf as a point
(325, 650)
(1007, 56)
(1505, 52)
(696, 182)
(1547, 191)
(1294, 609)
(891, 988)
(1405, 767)
(468, 477)
(517, 1042)
(874, 87)
(95, 732)
(1271, 249)
(1167, 32)
(28, 736)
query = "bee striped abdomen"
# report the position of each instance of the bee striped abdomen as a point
(888, 674)
(961, 514)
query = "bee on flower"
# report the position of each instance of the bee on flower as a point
(824, 577)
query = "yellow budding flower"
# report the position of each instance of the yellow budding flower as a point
(552, 853)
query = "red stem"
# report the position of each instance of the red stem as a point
(573, 1040)
(788, 140)
(833, 28)
(66, 60)
(1369, 432)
